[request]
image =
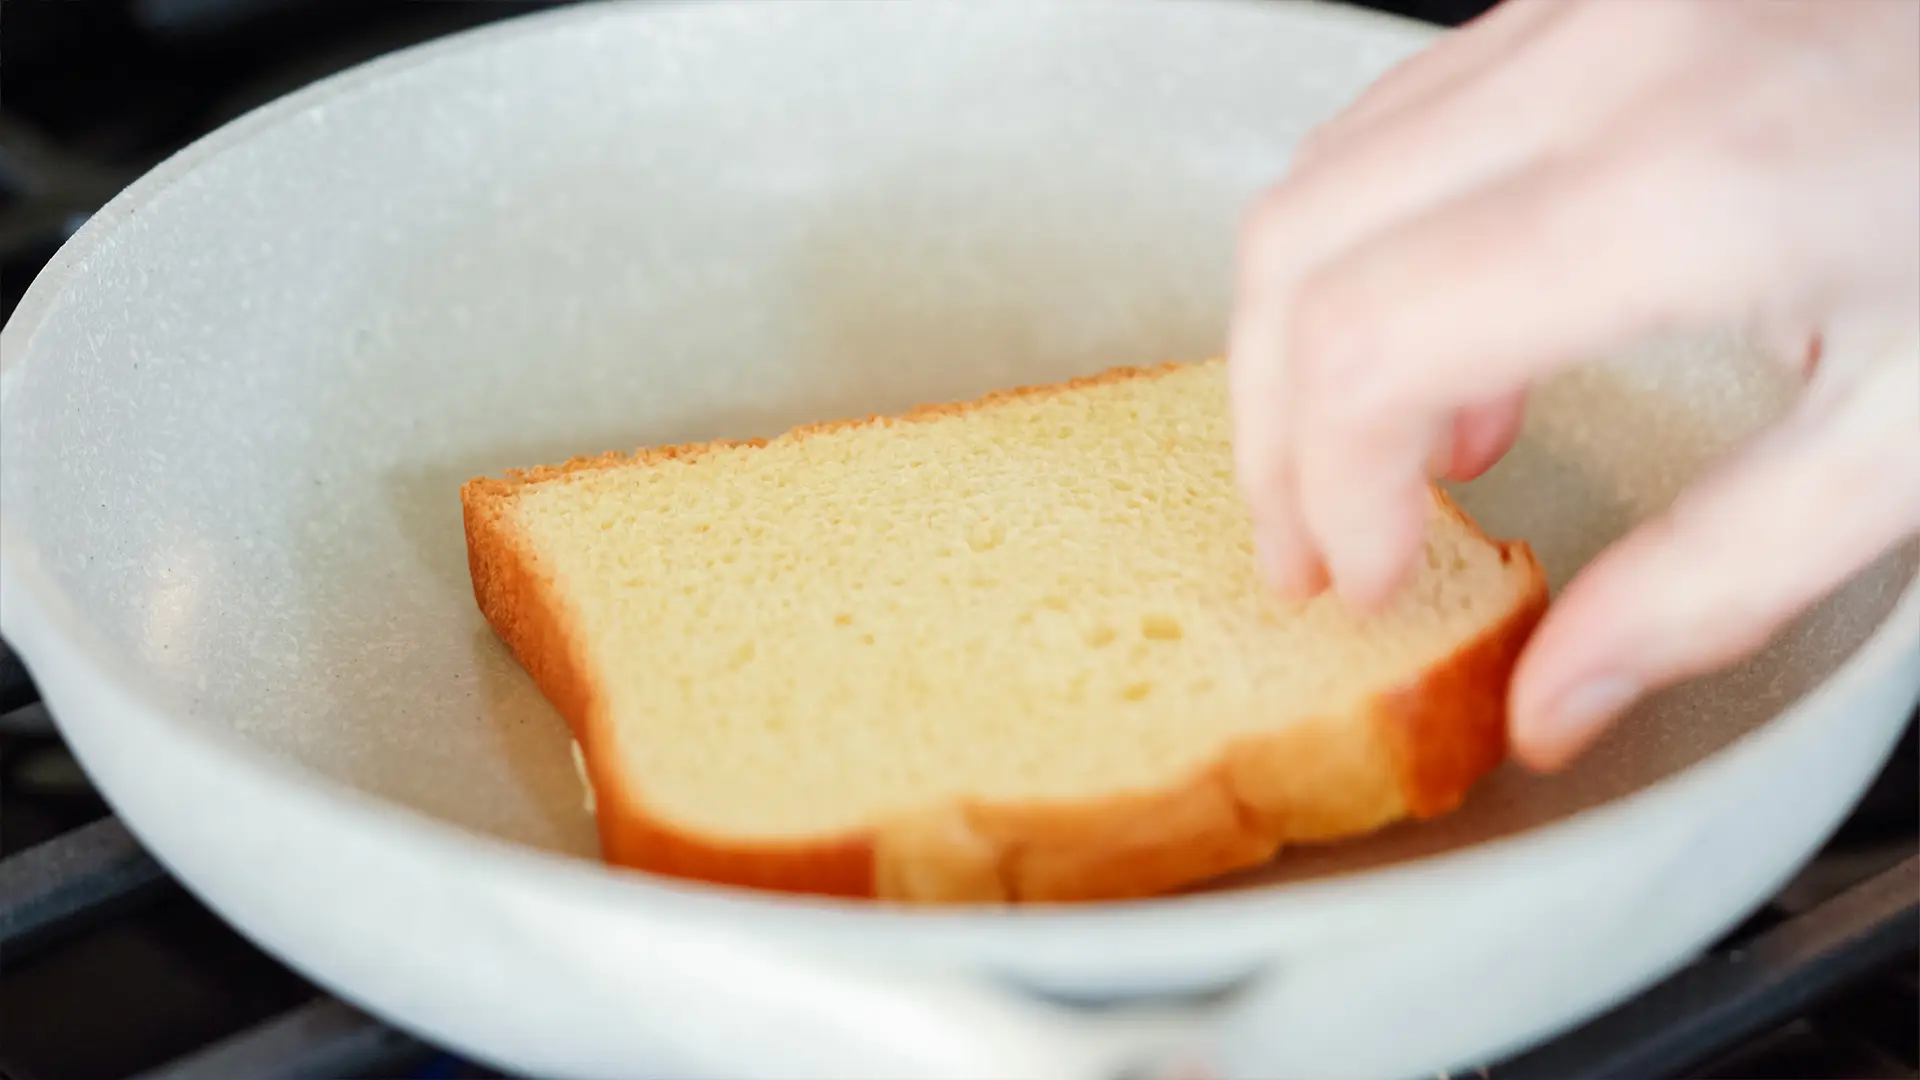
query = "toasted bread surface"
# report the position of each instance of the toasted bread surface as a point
(1012, 650)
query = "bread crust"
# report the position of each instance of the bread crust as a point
(1414, 751)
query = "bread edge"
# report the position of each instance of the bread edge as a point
(1415, 751)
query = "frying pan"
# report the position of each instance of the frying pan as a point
(237, 406)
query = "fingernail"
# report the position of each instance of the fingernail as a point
(1587, 707)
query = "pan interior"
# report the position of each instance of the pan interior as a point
(236, 436)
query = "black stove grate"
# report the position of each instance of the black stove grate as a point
(1819, 984)
(109, 969)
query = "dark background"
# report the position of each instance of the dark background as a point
(93, 92)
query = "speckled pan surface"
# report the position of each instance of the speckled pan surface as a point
(235, 411)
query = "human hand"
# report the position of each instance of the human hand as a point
(1554, 180)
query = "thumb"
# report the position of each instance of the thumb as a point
(1800, 510)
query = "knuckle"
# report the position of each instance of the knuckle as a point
(1263, 232)
(1634, 170)
(1677, 29)
(1330, 136)
(1332, 346)
(1263, 214)
(1315, 144)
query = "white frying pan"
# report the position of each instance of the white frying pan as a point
(237, 406)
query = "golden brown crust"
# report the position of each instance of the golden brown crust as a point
(1415, 751)
(1450, 728)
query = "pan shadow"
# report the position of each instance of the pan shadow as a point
(514, 745)
(535, 742)
(412, 698)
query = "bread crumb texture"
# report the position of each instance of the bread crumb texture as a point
(862, 637)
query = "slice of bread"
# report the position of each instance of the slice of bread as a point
(1012, 650)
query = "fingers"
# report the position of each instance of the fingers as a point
(1472, 300)
(1482, 435)
(1739, 556)
(1377, 505)
(1558, 181)
(1399, 170)
(1263, 465)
